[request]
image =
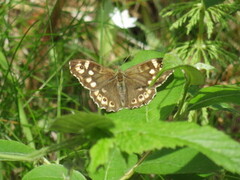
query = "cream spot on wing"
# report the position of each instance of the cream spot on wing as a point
(111, 104)
(93, 84)
(153, 77)
(79, 68)
(140, 89)
(140, 98)
(149, 91)
(146, 95)
(96, 92)
(89, 79)
(81, 71)
(152, 71)
(90, 72)
(99, 97)
(86, 64)
(155, 63)
(149, 82)
(104, 90)
(104, 101)
(134, 101)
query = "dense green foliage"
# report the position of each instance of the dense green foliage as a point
(50, 128)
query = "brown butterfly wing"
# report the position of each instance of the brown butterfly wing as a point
(107, 97)
(101, 82)
(138, 79)
(90, 74)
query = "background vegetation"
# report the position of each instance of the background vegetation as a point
(49, 127)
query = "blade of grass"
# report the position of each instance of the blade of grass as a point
(24, 121)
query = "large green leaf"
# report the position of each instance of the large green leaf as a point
(14, 151)
(52, 172)
(139, 137)
(214, 95)
(179, 161)
(81, 122)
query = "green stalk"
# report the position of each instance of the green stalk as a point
(101, 50)
(200, 36)
(129, 174)
(59, 94)
(179, 115)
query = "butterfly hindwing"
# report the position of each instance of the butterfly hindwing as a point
(137, 95)
(107, 97)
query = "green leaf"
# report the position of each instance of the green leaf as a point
(179, 161)
(134, 137)
(142, 56)
(225, 107)
(116, 166)
(190, 14)
(215, 94)
(209, 3)
(13, 150)
(99, 153)
(81, 122)
(168, 98)
(209, 24)
(194, 17)
(52, 172)
(172, 61)
(194, 75)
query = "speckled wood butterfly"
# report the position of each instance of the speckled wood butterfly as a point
(115, 90)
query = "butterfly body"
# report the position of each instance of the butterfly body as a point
(114, 91)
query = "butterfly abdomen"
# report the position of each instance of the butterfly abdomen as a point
(121, 88)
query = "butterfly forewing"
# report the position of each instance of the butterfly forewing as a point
(90, 74)
(100, 81)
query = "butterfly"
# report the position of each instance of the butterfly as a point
(115, 90)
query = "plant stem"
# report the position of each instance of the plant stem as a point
(200, 36)
(131, 171)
